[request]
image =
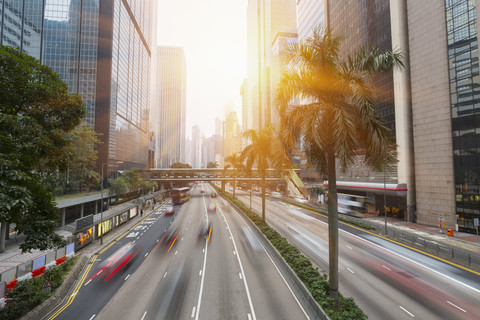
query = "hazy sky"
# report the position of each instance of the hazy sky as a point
(213, 35)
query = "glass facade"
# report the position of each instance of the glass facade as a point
(64, 34)
(367, 23)
(465, 103)
(130, 96)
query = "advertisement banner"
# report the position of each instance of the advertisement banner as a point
(124, 217)
(83, 238)
(106, 226)
(133, 212)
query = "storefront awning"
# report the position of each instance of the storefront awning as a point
(390, 188)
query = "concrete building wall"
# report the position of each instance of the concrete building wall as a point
(432, 130)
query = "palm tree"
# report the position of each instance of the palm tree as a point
(259, 152)
(233, 160)
(337, 115)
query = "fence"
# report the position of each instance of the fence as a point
(448, 252)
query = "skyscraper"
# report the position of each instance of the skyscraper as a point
(102, 50)
(265, 19)
(171, 100)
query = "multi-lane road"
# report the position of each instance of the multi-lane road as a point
(387, 280)
(163, 269)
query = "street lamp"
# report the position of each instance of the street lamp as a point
(101, 206)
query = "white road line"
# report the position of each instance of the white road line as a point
(144, 314)
(411, 260)
(92, 317)
(146, 254)
(182, 238)
(205, 250)
(165, 274)
(241, 268)
(286, 283)
(349, 247)
(193, 312)
(88, 281)
(456, 306)
(240, 275)
(74, 293)
(234, 253)
(411, 314)
(249, 316)
(350, 270)
(158, 240)
(127, 277)
(200, 273)
(176, 251)
(386, 268)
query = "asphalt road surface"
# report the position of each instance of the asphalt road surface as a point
(174, 271)
(387, 280)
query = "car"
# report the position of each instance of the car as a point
(276, 194)
(169, 238)
(213, 195)
(212, 208)
(118, 260)
(301, 200)
(205, 231)
(169, 211)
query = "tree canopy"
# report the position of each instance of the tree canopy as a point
(179, 165)
(36, 113)
(336, 117)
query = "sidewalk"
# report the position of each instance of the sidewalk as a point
(462, 240)
(13, 257)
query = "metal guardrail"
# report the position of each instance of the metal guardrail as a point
(461, 256)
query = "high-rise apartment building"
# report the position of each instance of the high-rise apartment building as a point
(102, 50)
(171, 103)
(310, 14)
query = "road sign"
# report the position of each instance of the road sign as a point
(46, 286)
(475, 222)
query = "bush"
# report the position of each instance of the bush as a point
(28, 293)
(315, 282)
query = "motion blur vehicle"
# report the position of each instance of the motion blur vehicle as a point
(205, 231)
(170, 210)
(118, 260)
(301, 200)
(213, 195)
(203, 191)
(180, 195)
(251, 243)
(276, 194)
(169, 238)
(212, 208)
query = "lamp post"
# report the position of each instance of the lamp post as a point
(385, 194)
(101, 206)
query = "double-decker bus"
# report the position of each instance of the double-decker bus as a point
(352, 204)
(180, 195)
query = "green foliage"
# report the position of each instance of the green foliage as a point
(180, 165)
(28, 293)
(212, 165)
(118, 186)
(315, 282)
(80, 157)
(36, 113)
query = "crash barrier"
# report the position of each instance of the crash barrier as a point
(458, 255)
(296, 284)
(33, 268)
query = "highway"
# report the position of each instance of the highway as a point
(387, 280)
(176, 274)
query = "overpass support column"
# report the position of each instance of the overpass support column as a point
(223, 186)
(62, 213)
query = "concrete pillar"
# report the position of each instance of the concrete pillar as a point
(223, 186)
(3, 235)
(96, 207)
(82, 208)
(62, 212)
(403, 105)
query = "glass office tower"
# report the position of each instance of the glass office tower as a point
(101, 49)
(465, 105)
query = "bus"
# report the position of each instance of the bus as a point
(352, 204)
(180, 195)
